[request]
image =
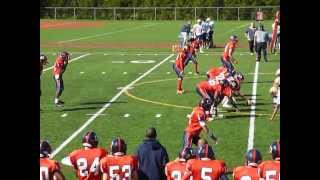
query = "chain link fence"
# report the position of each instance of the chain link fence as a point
(158, 13)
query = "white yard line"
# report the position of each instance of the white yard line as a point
(92, 118)
(107, 33)
(253, 107)
(74, 59)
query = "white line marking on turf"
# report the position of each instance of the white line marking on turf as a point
(95, 114)
(64, 115)
(253, 107)
(104, 34)
(103, 72)
(125, 73)
(188, 115)
(189, 72)
(81, 72)
(117, 62)
(119, 88)
(74, 59)
(92, 118)
(157, 115)
(168, 72)
(126, 115)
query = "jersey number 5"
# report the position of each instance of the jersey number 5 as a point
(204, 171)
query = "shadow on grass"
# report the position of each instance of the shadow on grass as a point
(260, 82)
(101, 102)
(81, 108)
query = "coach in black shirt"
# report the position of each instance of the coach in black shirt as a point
(152, 157)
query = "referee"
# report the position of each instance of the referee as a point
(260, 43)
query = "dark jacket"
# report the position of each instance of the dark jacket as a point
(152, 158)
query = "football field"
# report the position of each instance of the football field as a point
(120, 81)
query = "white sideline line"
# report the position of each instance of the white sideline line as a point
(253, 107)
(74, 59)
(104, 34)
(92, 118)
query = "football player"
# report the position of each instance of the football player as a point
(250, 170)
(175, 169)
(205, 166)
(192, 47)
(119, 165)
(196, 124)
(86, 161)
(59, 68)
(227, 58)
(43, 62)
(49, 169)
(178, 68)
(218, 73)
(271, 169)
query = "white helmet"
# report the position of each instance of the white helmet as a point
(198, 20)
(208, 19)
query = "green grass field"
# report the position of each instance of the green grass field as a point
(92, 81)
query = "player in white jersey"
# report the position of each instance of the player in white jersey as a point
(197, 32)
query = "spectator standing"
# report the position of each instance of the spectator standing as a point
(250, 36)
(152, 157)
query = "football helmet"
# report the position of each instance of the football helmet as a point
(45, 148)
(118, 145)
(43, 59)
(233, 38)
(186, 154)
(253, 156)
(275, 149)
(206, 103)
(239, 76)
(234, 84)
(65, 55)
(206, 151)
(90, 139)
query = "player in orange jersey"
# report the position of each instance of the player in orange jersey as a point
(196, 124)
(192, 47)
(59, 68)
(250, 170)
(270, 170)
(178, 68)
(227, 58)
(86, 161)
(175, 169)
(118, 165)
(218, 73)
(49, 169)
(205, 166)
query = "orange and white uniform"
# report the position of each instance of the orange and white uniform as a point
(87, 163)
(246, 172)
(115, 167)
(47, 168)
(270, 170)
(205, 169)
(175, 169)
